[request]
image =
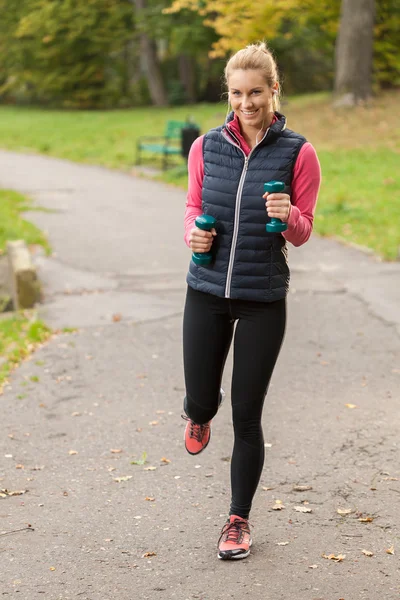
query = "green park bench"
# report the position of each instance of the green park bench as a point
(166, 145)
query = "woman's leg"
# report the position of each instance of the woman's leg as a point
(207, 335)
(258, 339)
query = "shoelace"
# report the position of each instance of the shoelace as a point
(196, 431)
(235, 531)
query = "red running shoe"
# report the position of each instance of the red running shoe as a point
(235, 539)
(196, 436)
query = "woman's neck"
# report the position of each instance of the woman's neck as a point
(253, 135)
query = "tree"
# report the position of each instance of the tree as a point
(150, 62)
(354, 52)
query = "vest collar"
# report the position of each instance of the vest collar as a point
(274, 131)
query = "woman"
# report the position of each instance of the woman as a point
(247, 281)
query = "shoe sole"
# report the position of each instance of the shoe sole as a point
(236, 556)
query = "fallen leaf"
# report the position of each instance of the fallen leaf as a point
(76, 414)
(278, 507)
(125, 478)
(282, 543)
(267, 489)
(141, 376)
(72, 452)
(52, 568)
(302, 488)
(351, 405)
(313, 566)
(141, 461)
(324, 362)
(150, 499)
(149, 468)
(390, 479)
(390, 550)
(337, 558)
(165, 460)
(302, 509)
(116, 451)
(4, 493)
(117, 317)
(160, 412)
(19, 467)
(367, 553)
(344, 511)
(149, 554)
(366, 519)
(153, 422)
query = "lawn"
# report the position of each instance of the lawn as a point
(359, 151)
(20, 334)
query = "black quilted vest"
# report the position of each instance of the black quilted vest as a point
(248, 263)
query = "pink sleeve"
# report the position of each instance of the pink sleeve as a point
(305, 187)
(195, 185)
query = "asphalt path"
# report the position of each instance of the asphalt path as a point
(92, 525)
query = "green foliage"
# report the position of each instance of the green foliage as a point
(65, 52)
(13, 226)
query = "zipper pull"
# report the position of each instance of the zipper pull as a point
(246, 162)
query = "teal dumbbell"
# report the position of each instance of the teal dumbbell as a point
(275, 225)
(206, 223)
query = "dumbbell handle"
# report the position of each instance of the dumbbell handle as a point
(275, 225)
(206, 223)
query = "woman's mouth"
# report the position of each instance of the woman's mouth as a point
(249, 113)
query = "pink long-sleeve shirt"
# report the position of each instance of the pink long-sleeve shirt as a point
(305, 186)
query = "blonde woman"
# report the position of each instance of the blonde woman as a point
(246, 283)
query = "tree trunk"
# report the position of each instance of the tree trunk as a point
(151, 65)
(187, 77)
(353, 52)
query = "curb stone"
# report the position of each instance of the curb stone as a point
(24, 283)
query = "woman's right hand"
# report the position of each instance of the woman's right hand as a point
(200, 240)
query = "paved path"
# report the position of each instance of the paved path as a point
(113, 390)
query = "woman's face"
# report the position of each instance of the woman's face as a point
(250, 97)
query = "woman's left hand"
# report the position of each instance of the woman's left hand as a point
(278, 206)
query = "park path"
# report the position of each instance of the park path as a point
(88, 403)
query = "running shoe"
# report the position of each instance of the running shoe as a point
(197, 436)
(235, 539)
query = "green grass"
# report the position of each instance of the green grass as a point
(19, 335)
(359, 151)
(13, 226)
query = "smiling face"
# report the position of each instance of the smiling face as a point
(251, 98)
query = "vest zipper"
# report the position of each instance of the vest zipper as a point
(237, 212)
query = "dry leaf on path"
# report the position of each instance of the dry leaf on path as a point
(267, 489)
(367, 553)
(4, 493)
(149, 468)
(390, 550)
(115, 450)
(366, 519)
(344, 511)
(337, 558)
(150, 499)
(351, 405)
(302, 509)
(117, 317)
(282, 543)
(72, 452)
(125, 478)
(153, 423)
(302, 488)
(149, 554)
(165, 460)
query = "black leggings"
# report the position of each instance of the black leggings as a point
(208, 327)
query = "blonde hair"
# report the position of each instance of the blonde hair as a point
(256, 57)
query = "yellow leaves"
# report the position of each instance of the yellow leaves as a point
(149, 499)
(278, 505)
(116, 317)
(338, 558)
(4, 493)
(390, 550)
(165, 460)
(366, 519)
(149, 554)
(125, 478)
(302, 509)
(344, 511)
(115, 450)
(351, 405)
(367, 553)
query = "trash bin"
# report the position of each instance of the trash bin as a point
(189, 133)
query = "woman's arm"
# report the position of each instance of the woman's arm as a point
(195, 185)
(305, 187)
